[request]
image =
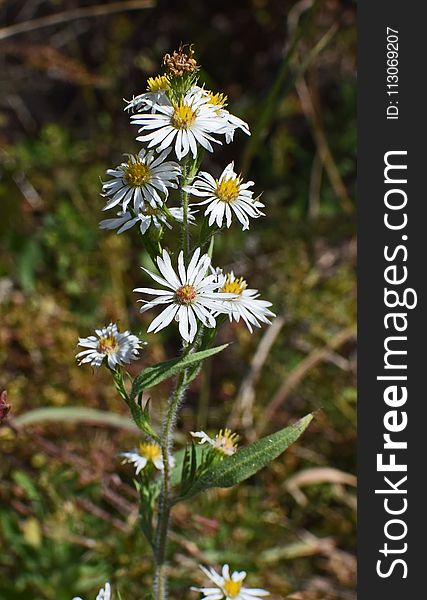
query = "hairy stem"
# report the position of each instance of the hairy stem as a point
(161, 580)
(189, 169)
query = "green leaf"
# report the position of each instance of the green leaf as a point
(189, 468)
(148, 493)
(180, 457)
(248, 461)
(151, 376)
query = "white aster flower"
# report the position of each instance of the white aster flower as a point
(231, 122)
(245, 303)
(146, 453)
(142, 178)
(182, 125)
(145, 217)
(155, 95)
(224, 442)
(103, 594)
(228, 587)
(225, 196)
(191, 295)
(118, 348)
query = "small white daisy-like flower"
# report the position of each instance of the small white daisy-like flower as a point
(103, 594)
(146, 453)
(155, 94)
(246, 303)
(118, 348)
(141, 179)
(225, 196)
(145, 217)
(219, 101)
(191, 295)
(228, 587)
(225, 441)
(183, 125)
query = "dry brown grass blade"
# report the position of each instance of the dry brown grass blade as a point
(300, 372)
(323, 147)
(71, 15)
(53, 62)
(315, 476)
(243, 409)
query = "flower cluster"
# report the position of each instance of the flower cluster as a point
(177, 120)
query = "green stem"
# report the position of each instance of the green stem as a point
(161, 580)
(165, 499)
(162, 529)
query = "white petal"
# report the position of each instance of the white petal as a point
(163, 319)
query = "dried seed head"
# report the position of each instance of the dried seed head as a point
(181, 61)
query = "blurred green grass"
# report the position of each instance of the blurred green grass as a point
(67, 520)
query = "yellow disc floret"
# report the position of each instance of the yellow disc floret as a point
(137, 173)
(183, 116)
(160, 83)
(227, 190)
(108, 344)
(226, 442)
(233, 285)
(150, 451)
(218, 99)
(232, 588)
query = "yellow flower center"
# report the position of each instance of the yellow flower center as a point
(183, 116)
(150, 451)
(108, 344)
(218, 99)
(228, 190)
(226, 442)
(158, 84)
(234, 286)
(137, 173)
(185, 294)
(232, 588)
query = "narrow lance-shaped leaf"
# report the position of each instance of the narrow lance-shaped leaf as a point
(248, 461)
(148, 492)
(151, 376)
(189, 467)
(179, 458)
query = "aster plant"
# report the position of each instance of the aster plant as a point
(177, 121)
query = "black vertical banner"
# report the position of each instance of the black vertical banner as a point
(392, 200)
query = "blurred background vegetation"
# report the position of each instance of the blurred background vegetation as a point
(68, 512)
